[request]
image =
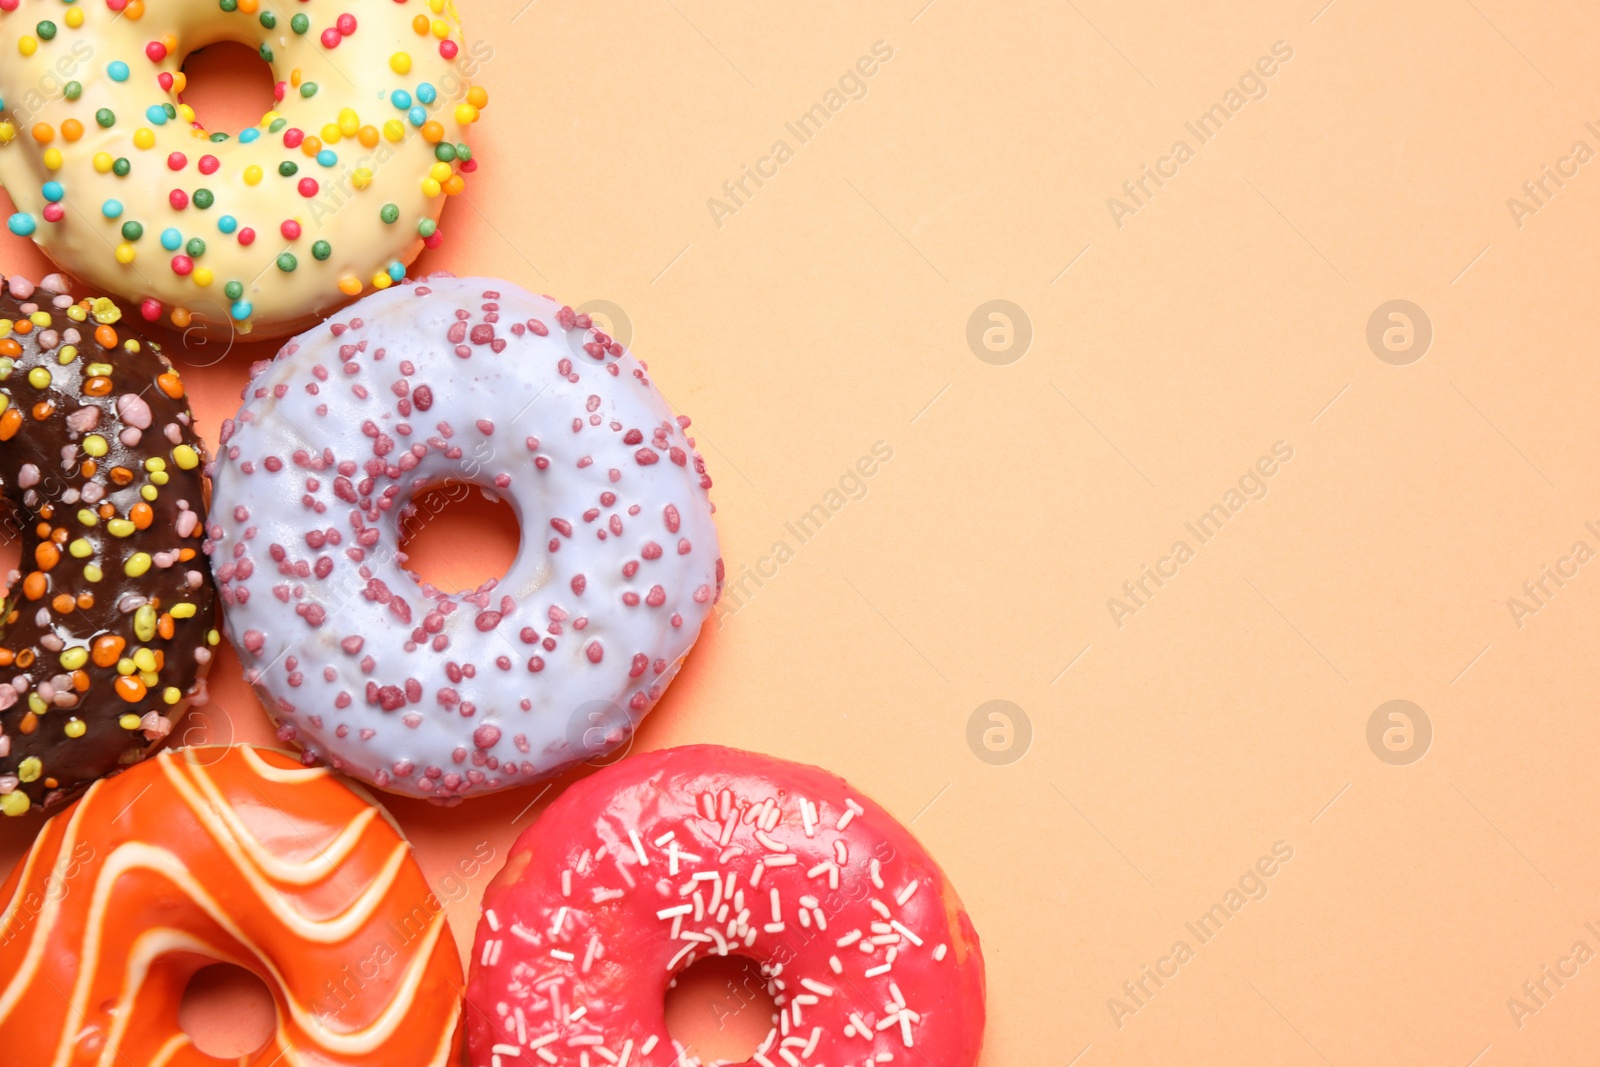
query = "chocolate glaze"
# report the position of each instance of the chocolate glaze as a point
(63, 725)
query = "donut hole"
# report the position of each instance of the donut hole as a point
(452, 537)
(227, 1011)
(229, 86)
(719, 1009)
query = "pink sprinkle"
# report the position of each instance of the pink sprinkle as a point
(177, 161)
(290, 230)
(209, 164)
(594, 652)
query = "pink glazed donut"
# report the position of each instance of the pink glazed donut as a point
(436, 694)
(661, 859)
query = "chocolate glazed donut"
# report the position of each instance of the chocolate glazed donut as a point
(108, 626)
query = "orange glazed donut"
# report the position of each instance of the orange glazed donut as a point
(213, 855)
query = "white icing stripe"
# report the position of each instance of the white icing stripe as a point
(322, 931)
(293, 872)
(281, 775)
(46, 920)
(164, 1055)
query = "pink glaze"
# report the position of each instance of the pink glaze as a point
(656, 861)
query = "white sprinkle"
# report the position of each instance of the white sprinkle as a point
(566, 882)
(808, 817)
(518, 930)
(488, 953)
(707, 807)
(592, 952)
(574, 1016)
(561, 920)
(583, 862)
(729, 823)
(783, 861)
(585, 1040)
(911, 937)
(873, 972)
(820, 919)
(682, 952)
(493, 920)
(546, 1055)
(881, 908)
(877, 878)
(817, 987)
(938, 953)
(664, 838)
(638, 848)
(724, 803)
(773, 928)
(841, 854)
(811, 1046)
(769, 843)
(627, 1050)
(649, 1045)
(506, 1050)
(681, 909)
(755, 875)
(777, 911)
(834, 965)
(563, 955)
(863, 1031)
(849, 939)
(907, 893)
(600, 896)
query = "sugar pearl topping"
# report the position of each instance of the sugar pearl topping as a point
(442, 693)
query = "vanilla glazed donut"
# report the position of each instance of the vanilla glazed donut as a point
(266, 229)
(224, 855)
(108, 631)
(665, 858)
(440, 694)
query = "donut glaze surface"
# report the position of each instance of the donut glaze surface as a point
(110, 624)
(235, 855)
(334, 191)
(445, 694)
(663, 858)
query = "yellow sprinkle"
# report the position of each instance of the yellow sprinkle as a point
(121, 528)
(394, 130)
(81, 548)
(149, 678)
(137, 564)
(212, 637)
(186, 113)
(436, 6)
(76, 313)
(125, 666)
(144, 137)
(252, 175)
(103, 162)
(67, 354)
(74, 727)
(466, 114)
(5, 402)
(126, 253)
(202, 276)
(8, 133)
(94, 444)
(30, 769)
(440, 171)
(159, 477)
(400, 62)
(441, 28)
(361, 178)
(15, 804)
(88, 517)
(186, 457)
(144, 624)
(93, 573)
(349, 122)
(98, 370)
(36, 704)
(331, 134)
(144, 659)
(5, 327)
(129, 721)
(28, 45)
(39, 377)
(149, 492)
(182, 611)
(381, 281)
(40, 319)
(430, 187)
(73, 17)
(171, 694)
(155, 463)
(73, 658)
(52, 158)
(105, 311)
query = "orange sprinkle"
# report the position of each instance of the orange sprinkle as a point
(368, 136)
(6, 657)
(134, 11)
(107, 650)
(181, 317)
(141, 515)
(72, 129)
(51, 783)
(311, 146)
(186, 554)
(59, 535)
(420, 25)
(105, 337)
(42, 530)
(46, 555)
(432, 132)
(8, 347)
(121, 476)
(25, 658)
(80, 681)
(130, 688)
(170, 385)
(34, 586)
(43, 410)
(85, 601)
(97, 387)
(10, 422)
(89, 467)
(165, 627)
(43, 132)
(107, 511)
(22, 326)
(30, 723)
(62, 603)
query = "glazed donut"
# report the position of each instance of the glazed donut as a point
(660, 859)
(439, 694)
(337, 188)
(109, 639)
(212, 855)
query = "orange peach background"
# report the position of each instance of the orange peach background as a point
(1157, 356)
